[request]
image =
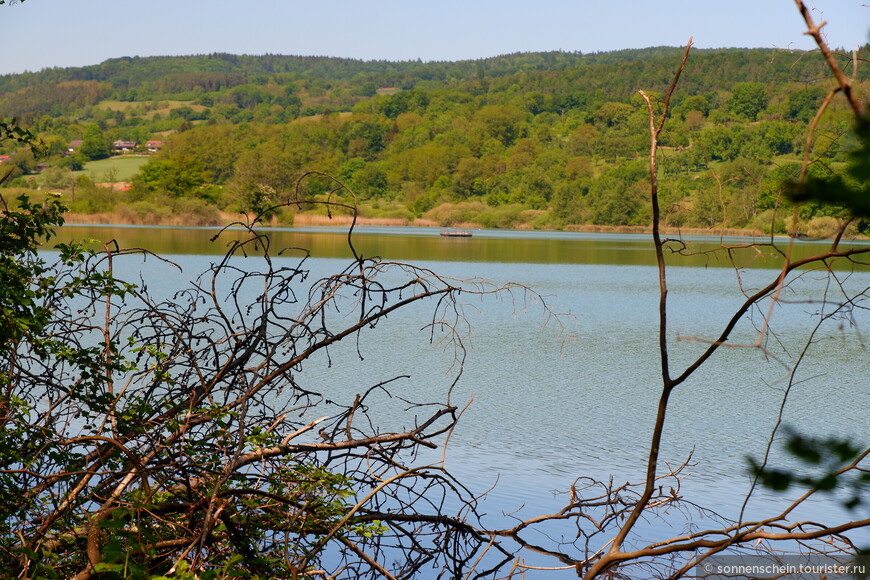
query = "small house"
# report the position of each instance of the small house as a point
(124, 145)
(153, 146)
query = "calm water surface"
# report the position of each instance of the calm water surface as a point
(415, 244)
(552, 405)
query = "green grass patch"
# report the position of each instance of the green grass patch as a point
(121, 168)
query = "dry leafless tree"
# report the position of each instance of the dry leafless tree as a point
(605, 516)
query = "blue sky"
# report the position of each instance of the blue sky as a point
(45, 33)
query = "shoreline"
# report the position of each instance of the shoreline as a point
(318, 220)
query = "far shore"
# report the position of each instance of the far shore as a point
(316, 220)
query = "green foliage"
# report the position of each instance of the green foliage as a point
(53, 100)
(613, 114)
(176, 176)
(403, 102)
(615, 202)
(364, 138)
(503, 123)
(21, 163)
(825, 463)
(721, 142)
(21, 232)
(11, 130)
(56, 178)
(850, 191)
(802, 105)
(698, 103)
(96, 144)
(74, 162)
(502, 130)
(748, 100)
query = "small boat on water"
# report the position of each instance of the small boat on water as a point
(456, 234)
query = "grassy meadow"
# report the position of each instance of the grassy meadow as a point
(113, 169)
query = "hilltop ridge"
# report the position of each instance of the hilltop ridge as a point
(536, 139)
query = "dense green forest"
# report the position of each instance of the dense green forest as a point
(543, 140)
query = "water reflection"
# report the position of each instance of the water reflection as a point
(415, 244)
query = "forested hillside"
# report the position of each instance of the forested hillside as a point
(548, 140)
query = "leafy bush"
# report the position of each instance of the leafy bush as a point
(822, 227)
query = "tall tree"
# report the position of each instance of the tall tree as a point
(95, 144)
(748, 100)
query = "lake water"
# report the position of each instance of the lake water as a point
(552, 405)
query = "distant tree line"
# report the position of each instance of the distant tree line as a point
(544, 139)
